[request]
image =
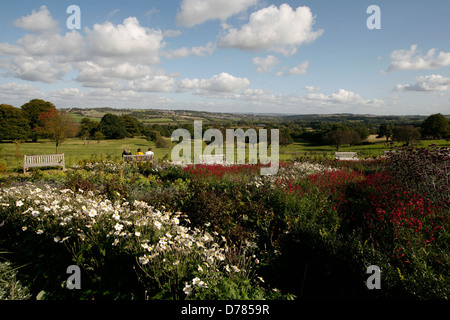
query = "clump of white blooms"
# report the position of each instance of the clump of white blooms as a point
(165, 247)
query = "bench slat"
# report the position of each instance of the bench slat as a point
(131, 158)
(43, 161)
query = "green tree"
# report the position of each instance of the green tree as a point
(337, 138)
(436, 126)
(385, 130)
(34, 108)
(112, 127)
(407, 134)
(13, 123)
(87, 128)
(58, 126)
(132, 125)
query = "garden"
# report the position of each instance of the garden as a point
(211, 232)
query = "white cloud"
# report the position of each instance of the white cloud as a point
(183, 52)
(128, 40)
(160, 83)
(311, 88)
(35, 69)
(17, 94)
(431, 83)
(194, 12)
(171, 33)
(265, 64)
(343, 97)
(280, 29)
(302, 68)
(411, 60)
(220, 84)
(38, 21)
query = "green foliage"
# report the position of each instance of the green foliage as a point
(311, 231)
(407, 134)
(436, 126)
(33, 109)
(87, 129)
(13, 123)
(112, 127)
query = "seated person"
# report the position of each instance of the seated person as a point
(126, 153)
(139, 152)
(149, 152)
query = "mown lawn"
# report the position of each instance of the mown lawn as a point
(76, 150)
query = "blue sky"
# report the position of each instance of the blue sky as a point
(261, 56)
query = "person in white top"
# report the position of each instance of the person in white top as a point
(149, 152)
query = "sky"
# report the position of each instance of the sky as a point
(252, 56)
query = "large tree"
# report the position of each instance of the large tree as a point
(58, 126)
(13, 123)
(385, 130)
(132, 125)
(112, 127)
(436, 126)
(87, 128)
(407, 134)
(34, 108)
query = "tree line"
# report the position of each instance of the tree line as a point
(39, 119)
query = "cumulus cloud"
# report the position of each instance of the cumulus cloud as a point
(343, 97)
(265, 64)
(311, 88)
(128, 40)
(412, 60)
(200, 51)
(276, 29)
(161, 83)
(302, 68)
(431, 83)
(220, 84)
(38, 21)
(194, 12)
(105, 57)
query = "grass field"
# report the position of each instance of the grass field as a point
(76, 150)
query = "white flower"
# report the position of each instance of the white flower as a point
(40, 231)
(195, 281)
(137, 234)
(143, 260)
(200, 268)
(227, 268)
(24, 228)
(201, 284)
(57, 239)
(235, 269)
(176, 263)
(19, 203)
(158, 225)
(187, 289)
(118, 227)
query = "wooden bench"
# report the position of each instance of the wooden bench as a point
(212, 159)
(346, 156)
(137, 158)
(44, 161)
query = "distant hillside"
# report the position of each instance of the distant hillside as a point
(174, 117)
